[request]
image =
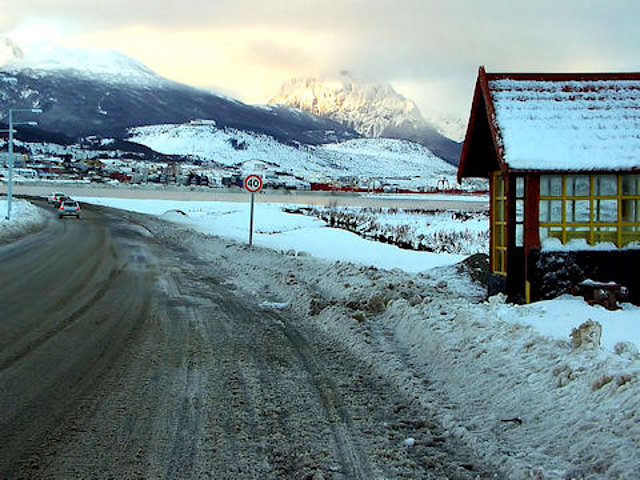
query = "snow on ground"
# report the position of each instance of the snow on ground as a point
(437, 231)
(505, 379)
(510, 383)
(305, 235)
(413, 164)
(25, 218)
(276, 229)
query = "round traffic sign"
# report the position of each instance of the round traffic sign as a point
(253, 183)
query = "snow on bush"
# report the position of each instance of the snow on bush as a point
(437, 231)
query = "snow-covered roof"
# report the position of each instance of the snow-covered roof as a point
(568, 122)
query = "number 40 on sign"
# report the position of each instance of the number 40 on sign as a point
(253, 183)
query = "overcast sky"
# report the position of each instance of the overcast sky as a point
(427, 50)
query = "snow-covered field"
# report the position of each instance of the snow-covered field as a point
(367, 159)
(282, 231)
(504, 378)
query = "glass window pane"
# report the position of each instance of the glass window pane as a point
(605, 234)
(630, 210)
(581, 233)
(556, 211)
(544, 186)
(499, 263)
(577, 186)
(520, 187)
(543, 214)
(631, 185)
(606, 211)
(550, 211)
(577, 211)
(519, 210)
(499, 213)
(606, 185)
(543, 232)
(498, 185)
(554, 232)
(500, 235)
(551, 186)
(631, 235)
(519, 235)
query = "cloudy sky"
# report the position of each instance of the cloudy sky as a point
(427, 50)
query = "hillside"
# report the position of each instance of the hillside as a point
(364, 158)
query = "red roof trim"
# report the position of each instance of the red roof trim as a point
(491, 112)
(563, 77)
(481, 91)
(467, 137)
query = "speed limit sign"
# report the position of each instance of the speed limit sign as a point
(253, 183)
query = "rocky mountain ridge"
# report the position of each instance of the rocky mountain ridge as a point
(373, 110)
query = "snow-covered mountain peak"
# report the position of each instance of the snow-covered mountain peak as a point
(372, 109)
(109, 65)
(368, 108)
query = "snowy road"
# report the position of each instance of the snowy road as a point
(133, 349)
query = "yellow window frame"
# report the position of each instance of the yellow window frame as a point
(620, 232)
(499, 224)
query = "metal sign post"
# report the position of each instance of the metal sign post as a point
(252, 184)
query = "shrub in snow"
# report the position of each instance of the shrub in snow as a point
(564, 374)
(586, 335)
(601, 382)
(626, 349)
(413, 229)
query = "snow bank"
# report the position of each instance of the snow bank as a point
(25, 218)
(523, 398)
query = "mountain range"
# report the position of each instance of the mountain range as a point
(371, 109)
(104, 93)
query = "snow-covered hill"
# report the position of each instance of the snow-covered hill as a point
(364, 158)
(373, 110)
(104, 65)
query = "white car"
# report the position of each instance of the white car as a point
(53, 198)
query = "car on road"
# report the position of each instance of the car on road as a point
(53, 198)
(69, 208)
(60, 199)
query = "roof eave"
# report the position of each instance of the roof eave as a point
(481, 92)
